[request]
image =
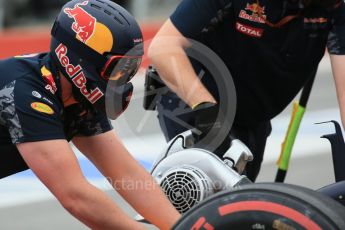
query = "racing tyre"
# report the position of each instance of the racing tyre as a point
(265, 206)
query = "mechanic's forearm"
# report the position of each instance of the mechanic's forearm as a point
(94, 208)
(178, 74)
(130, 179)
(141, 191)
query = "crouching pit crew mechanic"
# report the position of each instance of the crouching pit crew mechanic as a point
(271, 48)
(49, 99)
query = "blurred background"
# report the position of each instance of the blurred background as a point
(26, 204)
(27, 22)
(42, 12)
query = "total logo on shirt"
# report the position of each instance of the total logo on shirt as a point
(248, 30)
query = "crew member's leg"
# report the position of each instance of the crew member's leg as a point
(255, 138)
(175, 117)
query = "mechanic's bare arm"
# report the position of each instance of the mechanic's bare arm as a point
(169, 58)
(56, 166)
(130, 179)
(338, 68)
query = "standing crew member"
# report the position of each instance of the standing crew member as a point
(271, 48)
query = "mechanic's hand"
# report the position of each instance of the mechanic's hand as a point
(205, 118)
(205, 121)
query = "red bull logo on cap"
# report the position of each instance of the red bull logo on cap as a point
(84, 23)
(94, 34)
(257, 13)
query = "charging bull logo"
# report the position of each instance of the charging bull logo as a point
(255, 8)
(256, 13)
(94, 34)
(84, 23)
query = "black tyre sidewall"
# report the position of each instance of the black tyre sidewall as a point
(319, 209)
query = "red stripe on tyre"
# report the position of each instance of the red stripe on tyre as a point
(270, 207)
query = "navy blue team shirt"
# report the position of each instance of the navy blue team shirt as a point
(31, 109)
(268, 65)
